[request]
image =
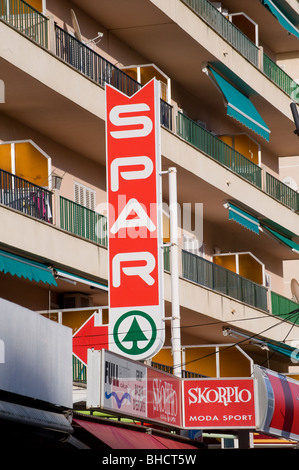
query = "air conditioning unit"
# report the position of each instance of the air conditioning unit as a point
(77, 300)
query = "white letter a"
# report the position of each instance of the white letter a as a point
(143, 219)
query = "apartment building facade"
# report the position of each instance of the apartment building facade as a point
(229, 72)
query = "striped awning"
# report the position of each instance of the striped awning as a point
(23, 267)
(240, 107)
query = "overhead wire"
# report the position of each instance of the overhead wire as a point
(283, 320)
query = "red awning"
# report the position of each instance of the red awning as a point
(122, 438)
(174, 444)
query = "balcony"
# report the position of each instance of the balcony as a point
(25, 19)
(208, 274)
(218, 150)
(84, 222)
(230, 33)
(100, 70)
(23, 196)
(282, 306)
(239, 41)
(282, 193)
(224, 154)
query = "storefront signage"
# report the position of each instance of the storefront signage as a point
(278, 409)
(35, 356)
(164, 398)
(128, 388)
(90, 335)
(136, 328)
(219, 403)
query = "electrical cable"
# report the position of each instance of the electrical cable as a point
(284, 320)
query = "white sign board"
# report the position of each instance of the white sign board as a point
(35, 356)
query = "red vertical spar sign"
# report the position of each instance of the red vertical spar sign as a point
(136, 311)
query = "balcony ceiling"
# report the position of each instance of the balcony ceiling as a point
(36, 106)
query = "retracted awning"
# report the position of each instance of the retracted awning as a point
(243, 218)
(283, 349)
(75, 278)
(240, 107)
(283, 20)
(21, 414)
(22, 267)
(117, 437)
(281, 238)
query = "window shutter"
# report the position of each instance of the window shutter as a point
(84, 196)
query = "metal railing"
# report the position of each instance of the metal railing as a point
(282, 193)
(91, 64)
(217, 21)
(217, 149)
(281, 306)
(100, 70)
(166, 114)
(82, 221)
(280, 78)
(79, 371)
(25, 19)
(220, 279)
(25, 197)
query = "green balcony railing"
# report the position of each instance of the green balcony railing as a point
(281, 78)
(218, 150)
(220, 279)
(228, 31)
(282, 306)
(79, 371)
(25, 19)
(82, 221)
(282, 193)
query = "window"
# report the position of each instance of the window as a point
(84, 196)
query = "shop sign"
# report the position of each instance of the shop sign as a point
(219, 403)
(129, 388)
(35, 355)
(116, 384)
(278, 404)
(90, 335)
(164, 398)
(136, 326)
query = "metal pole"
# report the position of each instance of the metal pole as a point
(174, 257)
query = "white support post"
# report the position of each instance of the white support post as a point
(174, 257)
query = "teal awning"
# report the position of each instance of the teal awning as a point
(283, 349)
(243, 218)
(281, 238)
(75, 278)
(283, 20)
(22, 267)
(240, 107)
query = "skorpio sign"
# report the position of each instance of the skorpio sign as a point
(219, 403)
(136, 327)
